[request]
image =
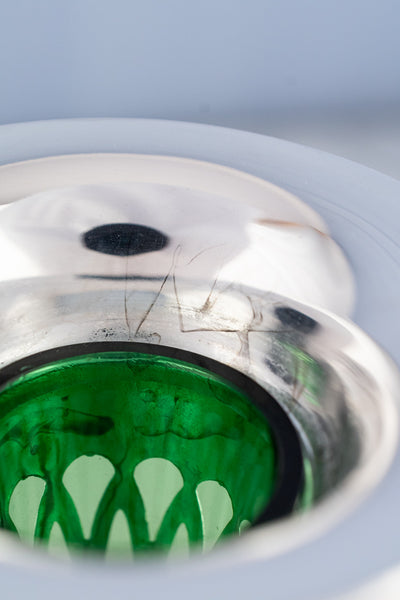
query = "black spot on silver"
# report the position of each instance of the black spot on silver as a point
(280, 371)
(295, 319)
(124, 239)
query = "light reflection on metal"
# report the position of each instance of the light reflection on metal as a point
(320, 373)
(222, 279)
(209, 238)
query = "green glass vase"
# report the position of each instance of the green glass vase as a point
(121, 452)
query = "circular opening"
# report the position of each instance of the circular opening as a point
(124, 448)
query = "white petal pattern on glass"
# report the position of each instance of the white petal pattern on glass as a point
(119, 544)
(159, 481)
(24, 506)
(180, 544)
(86, 479)
(216, 511)
(57, 545)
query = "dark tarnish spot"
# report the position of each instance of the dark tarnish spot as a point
(295, 319)
(124, 239)
(280, 371)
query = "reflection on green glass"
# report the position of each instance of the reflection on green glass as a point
(306, 371)
(121, 452)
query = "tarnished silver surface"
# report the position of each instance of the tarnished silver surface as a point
(347, 418)
(200, 272)
(278, 244)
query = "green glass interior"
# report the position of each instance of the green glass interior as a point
(121, 452)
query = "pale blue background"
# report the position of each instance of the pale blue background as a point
(185, 58)
(322, 72)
